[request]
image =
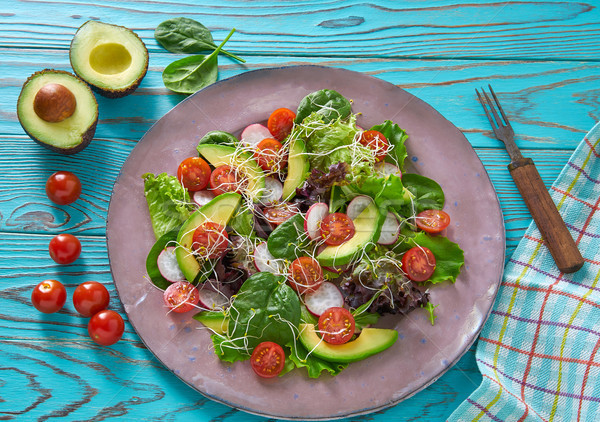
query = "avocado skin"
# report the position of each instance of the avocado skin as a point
(112, 93)
(86, 136)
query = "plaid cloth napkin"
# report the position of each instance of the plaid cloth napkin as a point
(539, 352)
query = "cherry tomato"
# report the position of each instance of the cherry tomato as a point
(280, 213)
(269, 155)
(336, 325)
(225, 179)
(181, 296)
(337, 228)
(306, 274)
(281, 122)
(49, 296)
(268, 359)
(63, 187)
(106, 327)
(210, 240)
(418, 263)
(376, 141)
(193, 173)
(433, 221)
(90, 298)
(64, 248)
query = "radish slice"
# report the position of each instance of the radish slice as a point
(272, 192)
(167, 265)
(358, 205)
(385, 169)
(264, 261)
(312, 223)
(202, 197)
(325, 297)
(211, 298)
(255, 133)
(390, 230)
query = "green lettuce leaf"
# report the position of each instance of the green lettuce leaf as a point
(168, 202)
(299, 356)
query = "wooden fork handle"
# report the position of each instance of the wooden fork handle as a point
(554, 232)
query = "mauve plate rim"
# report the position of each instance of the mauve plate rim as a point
(467, 344)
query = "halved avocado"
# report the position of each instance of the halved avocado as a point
(367, 230)
(219, 210)
(215, 320)
(220, 155)
(369, 342)
(58, 110)
(298, 168)
(111, 58)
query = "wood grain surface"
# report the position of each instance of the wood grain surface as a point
(541, 57)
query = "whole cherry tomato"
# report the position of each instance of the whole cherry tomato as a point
(90, 298)
(106, 327)
(49, 296)
(64, 248)
(63, 187)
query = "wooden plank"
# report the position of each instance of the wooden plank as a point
(533, 29)
(551, 104)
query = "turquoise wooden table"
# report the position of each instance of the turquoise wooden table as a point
(540, 56)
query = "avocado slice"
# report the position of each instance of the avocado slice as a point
(220, 155)
(215, 320)
(219, 210)
(46, 98)
(112, 59)
(367, 230)
(369, 342)
(298, 168)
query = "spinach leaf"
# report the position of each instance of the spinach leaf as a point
(396, 136)
(151, 261)
(190, 74)
(184, 35)
(327, 103)
(428, 193)
(286, 240)
(265, 309)
(218, 137)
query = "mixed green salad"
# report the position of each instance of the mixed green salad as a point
(290, 241)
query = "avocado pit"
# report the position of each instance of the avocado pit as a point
(54, 103)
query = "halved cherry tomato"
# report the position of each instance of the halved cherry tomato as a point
(181, 296)
(63, 187)
(377, 142)
(280, 213)
(336, 325)
(49, 296)
(281, 122)
(337, 228)
(418, 263)
(90, 298)
(64, 248)
(269, 155)
(210, 240)
(225, 179)
(106, 327)
(193, 173)
(433, 221)
(306, 275)
(268, 359)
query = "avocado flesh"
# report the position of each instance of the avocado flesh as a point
(369, 342)
(73, 133)
(220, 155)
(298, 168)
(216, 321)
(367, 230)
(219, 210)
(111, 58)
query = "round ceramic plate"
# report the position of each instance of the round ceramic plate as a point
(422, 353)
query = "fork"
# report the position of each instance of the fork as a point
(554, 232)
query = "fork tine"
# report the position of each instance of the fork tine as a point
(499, 121)
(499, 106)
(487, 113)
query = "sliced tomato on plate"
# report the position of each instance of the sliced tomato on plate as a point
(418, 263)
(268, 359)
(336, 325)
(281, 122)
(269, 155)
(337, 228)
(377, 142)
(225, 179)
(433, 221)
(306, 274)
(280, 213)
(193, 173)
(210, 240)
(181, 296)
